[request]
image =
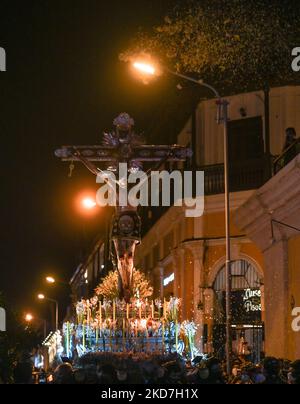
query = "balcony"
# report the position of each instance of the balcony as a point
(244, 176)
(248, 175)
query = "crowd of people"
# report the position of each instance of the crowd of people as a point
(107, 369)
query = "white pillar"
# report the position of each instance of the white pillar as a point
(197, 250)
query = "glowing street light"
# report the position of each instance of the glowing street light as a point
(149, 69)
(41, 296)
(89, 203)
(29, 317)
(51, 280)
(145, 68)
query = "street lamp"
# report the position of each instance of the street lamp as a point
(222, 118)
(50, 279)
(29, 318)
(88, 203)
(41, 296)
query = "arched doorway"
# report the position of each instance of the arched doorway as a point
(246, 302)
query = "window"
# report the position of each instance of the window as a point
(244, 276)
(246, 139)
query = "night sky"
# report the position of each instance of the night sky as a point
(64, 85)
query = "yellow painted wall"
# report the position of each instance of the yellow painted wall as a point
(253, 252)
(189, 228)
(214, 225)
(294, 292)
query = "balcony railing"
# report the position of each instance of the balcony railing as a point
(286, 157)
(242, 176)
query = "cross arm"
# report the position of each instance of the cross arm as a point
(143, 153)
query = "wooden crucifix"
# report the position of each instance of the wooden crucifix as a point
(122, 145)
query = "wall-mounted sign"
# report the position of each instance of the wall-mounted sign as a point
(2, 319)
(169, 279)
(252, 300)
(245, 306)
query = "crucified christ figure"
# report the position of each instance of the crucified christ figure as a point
(123, 146)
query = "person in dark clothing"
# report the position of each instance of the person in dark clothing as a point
(294, 373)
(23, 373)
(63, 374)
(271, 370)
(216, 375)
(289, 151)
(107, 374)
(290, 138)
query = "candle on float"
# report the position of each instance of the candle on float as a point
(176, 335)
(163, 335)
(88, 313)
(123, 334)
(100, 317)
(127, 311)
(110, 338)
(68, 338)
(140, 310)
(114, 312)
(165, 308)
(83, 334)
(152, 309)
(146, 329)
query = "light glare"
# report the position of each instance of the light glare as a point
(88, 203)
(50, 279)
(144, 68)
(29, 317)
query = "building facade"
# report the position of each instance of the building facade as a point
(185, 257)
(89, 273)
(271, 218)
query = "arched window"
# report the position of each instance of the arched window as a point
(244, 276)
(246, 309)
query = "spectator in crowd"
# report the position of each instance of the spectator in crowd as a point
(23, 372)
(290, 138)
(63, 374)
(272, 371)
(294, 373)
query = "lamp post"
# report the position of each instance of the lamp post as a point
(29, 318)
(222, 118)
(41, 296)
(52, 281)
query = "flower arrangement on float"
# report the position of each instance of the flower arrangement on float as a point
(106, 323)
